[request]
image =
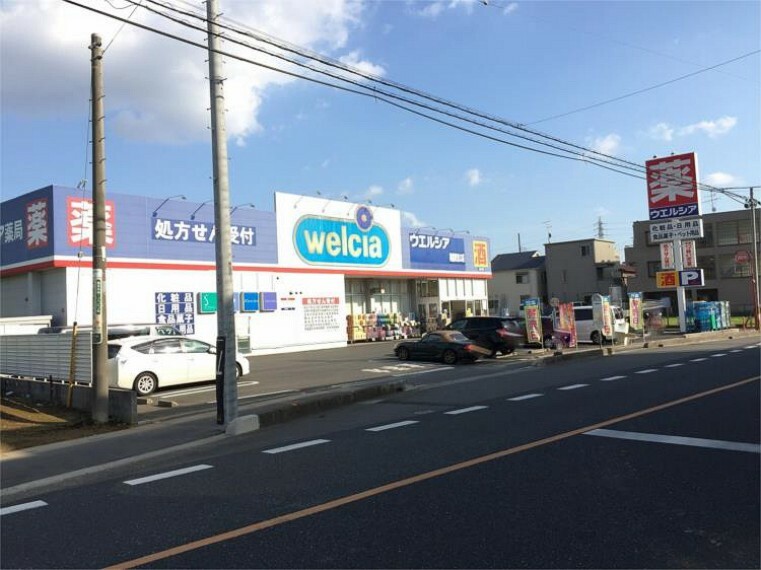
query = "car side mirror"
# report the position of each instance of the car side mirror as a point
(212, 350)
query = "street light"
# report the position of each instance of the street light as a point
(248, 204)
(180, 196)
(193, 215)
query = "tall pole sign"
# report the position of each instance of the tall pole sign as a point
(672, 195)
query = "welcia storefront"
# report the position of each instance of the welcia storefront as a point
(315, 273)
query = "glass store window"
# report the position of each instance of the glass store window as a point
(708, 264)
(728, 269)
(734, 232)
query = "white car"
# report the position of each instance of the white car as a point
(144, 364)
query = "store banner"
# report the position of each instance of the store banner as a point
(601, 314)
(636, 321)
(533, 320)
(430, 251)
(667, 255)
(672, 186)
(567, 322)
(26, 227)
(689, 254)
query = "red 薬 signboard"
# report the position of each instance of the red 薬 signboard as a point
(672, 187)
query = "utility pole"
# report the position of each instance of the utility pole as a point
(99, 321)
(519, 243)
(600, 230)
(227, 387)
(752, 205)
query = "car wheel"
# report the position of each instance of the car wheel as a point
(403, 353)
(238, 371)
(596, 338)
(449, 357)
(145, 383)
(507, 351)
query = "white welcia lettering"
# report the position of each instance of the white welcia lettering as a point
(335, 244)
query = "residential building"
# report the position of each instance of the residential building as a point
(578, 269)
(724, 234)
(515, 278)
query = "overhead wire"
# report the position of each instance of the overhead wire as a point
(375, 93)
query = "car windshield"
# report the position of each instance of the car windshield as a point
(458, 337)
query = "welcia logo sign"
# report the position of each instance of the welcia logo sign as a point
(342, 242)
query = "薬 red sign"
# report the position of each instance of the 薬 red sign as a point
(672, 187)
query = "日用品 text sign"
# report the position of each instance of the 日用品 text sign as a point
(676, 229)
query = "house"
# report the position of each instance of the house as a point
(516, 277)
(576, 270)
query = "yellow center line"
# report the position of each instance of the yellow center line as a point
(256, 527)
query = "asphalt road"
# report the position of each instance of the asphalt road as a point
(646, 460)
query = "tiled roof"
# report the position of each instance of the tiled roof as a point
(513, 261)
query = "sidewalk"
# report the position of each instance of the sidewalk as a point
(31, 470)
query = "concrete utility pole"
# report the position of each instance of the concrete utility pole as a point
(227, 387)
(756, 304)
(99, 321)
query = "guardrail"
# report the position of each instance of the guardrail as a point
(47, 356)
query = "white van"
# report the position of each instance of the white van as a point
(588, 331)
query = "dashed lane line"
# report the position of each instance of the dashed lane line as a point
(465, 410)
(573, 387)
(168, 474)
(718, 355)
(612, 378)
(294, 446)
(675, 365)
(646, 371)
(22, 507)
(524, 397)
(392, 426)
(698, 359)
(677, 440)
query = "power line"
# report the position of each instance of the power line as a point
(639, 91)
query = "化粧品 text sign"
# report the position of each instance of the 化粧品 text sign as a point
(672, 187)
(676, 229)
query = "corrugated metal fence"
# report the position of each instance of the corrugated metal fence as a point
(46, 355)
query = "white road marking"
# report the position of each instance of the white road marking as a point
(392, 426)
(417, 372)
(718, 355)
(279, 392)
(678, 440)
(573, 387)
(526, 397)
(751, 346)
(646, 371)
(611, 378)
(466, 410)
(200, 390)
(698, 359)
(309, 443)
(22, 507)
(167, 475)
(736, 350)
(675, 365)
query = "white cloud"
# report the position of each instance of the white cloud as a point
(411, 220)
(608, 144)
(667, 132)
(712, 128)
(721, 179)
(406, 186)
(353, 59)
(373, 192)
(510, 8)
(434, 9)
(473, 177)
(661, 132)
(155, 87)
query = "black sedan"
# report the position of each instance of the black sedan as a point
(448, 346)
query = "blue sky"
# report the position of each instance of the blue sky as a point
(522, 61)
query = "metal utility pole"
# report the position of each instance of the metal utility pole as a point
(752, 204)
(99, 321)
(227, 387)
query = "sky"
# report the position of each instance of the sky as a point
(605, 76)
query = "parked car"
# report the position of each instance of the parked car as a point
(588, 331)
(144, 364)
(448, 346)
(497, 334)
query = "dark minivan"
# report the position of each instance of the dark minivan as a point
(496, 334)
